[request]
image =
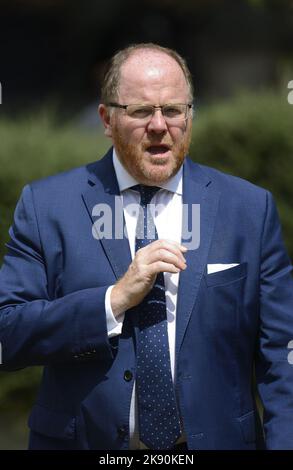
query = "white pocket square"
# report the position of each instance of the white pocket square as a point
(214, 268)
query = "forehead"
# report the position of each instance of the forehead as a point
(147, 74)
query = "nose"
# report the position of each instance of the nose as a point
(157, 123)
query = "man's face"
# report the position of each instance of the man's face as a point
(152, 151)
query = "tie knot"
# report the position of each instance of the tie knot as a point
(146, 193)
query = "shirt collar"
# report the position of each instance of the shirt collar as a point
(125, 180)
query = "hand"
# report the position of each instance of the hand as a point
(158, 256)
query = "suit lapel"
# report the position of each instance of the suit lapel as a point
(197, 189)
(104, 189)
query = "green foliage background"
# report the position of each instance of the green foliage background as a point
(250, 136)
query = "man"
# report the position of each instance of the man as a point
(148, 343)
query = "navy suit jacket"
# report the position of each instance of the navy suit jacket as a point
(233, 326)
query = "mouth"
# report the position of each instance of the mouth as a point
(159, 149)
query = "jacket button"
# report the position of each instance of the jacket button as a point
(128, 375)
(122, 431)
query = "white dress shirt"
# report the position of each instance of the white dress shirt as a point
(168, 221)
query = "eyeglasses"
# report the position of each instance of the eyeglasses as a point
(172, 113)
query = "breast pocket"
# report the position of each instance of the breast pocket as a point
(223, 300)
(226, 276)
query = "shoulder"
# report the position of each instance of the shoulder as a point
(228, 185)
(75, 180)
(59, 192)
(61, 181)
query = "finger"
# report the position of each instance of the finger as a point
(173, 242)
(162, 254)
(169, 245)
(161, 266)
(170, 242)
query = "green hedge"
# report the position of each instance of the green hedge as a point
(250, 136)
(34, 148)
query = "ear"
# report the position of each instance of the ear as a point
(106, 119)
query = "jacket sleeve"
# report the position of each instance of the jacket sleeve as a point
(35, 329)
(274, 373)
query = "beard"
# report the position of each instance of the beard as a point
(151, 169)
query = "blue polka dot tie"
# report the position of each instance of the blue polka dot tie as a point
(159, 425)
